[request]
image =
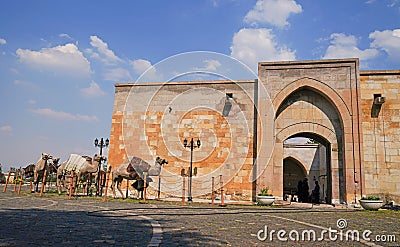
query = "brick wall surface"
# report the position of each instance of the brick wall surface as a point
(153, 120)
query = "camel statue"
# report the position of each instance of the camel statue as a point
(53, 166)
(81, 165)
(29, 171)
(134, 170)
(61, 176)
(40, 167)
(91, 166)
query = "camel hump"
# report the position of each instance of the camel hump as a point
(140, 165)
(136, 160)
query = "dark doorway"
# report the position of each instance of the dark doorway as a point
(293, 171)
(319, 171)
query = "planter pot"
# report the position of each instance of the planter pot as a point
(265, 200)
(371, 204)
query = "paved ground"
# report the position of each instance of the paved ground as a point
(28, 220)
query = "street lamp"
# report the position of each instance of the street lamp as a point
(192, 146)
(100, 144)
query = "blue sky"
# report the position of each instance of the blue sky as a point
(59, 60)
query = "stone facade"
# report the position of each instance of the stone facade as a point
(381, 133)
(153, 119)
(327, 100)
(243, 126)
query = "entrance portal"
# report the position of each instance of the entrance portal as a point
(293, 171)
(307, 156)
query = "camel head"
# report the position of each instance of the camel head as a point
(98, 158)
(156, 169)
(53, 166)
(160, 161)
(55, 161)
(46, 156)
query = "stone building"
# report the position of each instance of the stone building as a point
(245, 128)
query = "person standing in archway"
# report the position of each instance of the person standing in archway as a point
(300, 191)
(305, 189)
(315, 193)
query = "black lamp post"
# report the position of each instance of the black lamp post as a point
(191, 146)
(100, 144)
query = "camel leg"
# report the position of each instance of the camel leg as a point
(88, 184)
(113, 185)
(62, 183)
(37, 184)
(78, 179)
(119, 189)
(35, 176)
(58, 185)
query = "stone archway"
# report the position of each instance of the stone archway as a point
(306, 112)
(293, 171)
(316, 158)
(334, 115)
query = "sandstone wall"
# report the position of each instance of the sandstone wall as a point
(151, 120)
(381, 134)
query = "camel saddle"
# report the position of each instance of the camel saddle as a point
(130, 168)
(132, 173)
(138, 165)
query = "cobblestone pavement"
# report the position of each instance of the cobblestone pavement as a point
(28, 220)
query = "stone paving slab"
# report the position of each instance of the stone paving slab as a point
(28, 220)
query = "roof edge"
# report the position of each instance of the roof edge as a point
(379, 72)
(131, 84)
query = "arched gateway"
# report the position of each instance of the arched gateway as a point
(318, 101)
(247, 130)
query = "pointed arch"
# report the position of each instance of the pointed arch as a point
(323, 89)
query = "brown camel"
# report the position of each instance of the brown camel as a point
(29, 171)
(134, 170)
(53, 166)
(40, 167)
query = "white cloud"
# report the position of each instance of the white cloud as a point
(144, 69)
(345, 46)
(103, 52)
(393, 3)
(254, 45)
(64, 35)
(31, 101)
(65, 59)
(117, 75)
(211, 65)
(47, 112)
(387, 40)
(93, 90)
(3, 41)
(273, 12)
(7, 129)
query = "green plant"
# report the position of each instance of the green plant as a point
(264, 192)
(371, 198)
(17, 181)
